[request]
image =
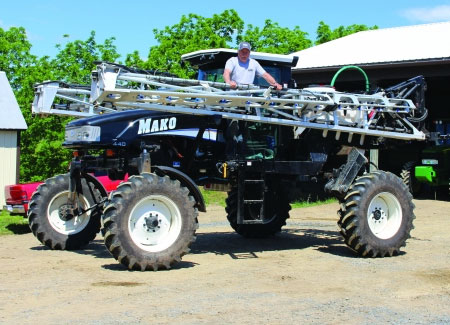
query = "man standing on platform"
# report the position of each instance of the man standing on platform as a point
(241, 70)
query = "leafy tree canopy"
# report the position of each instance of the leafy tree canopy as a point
(325, 34)
(75, 60)
(224, 30)
(42, 154)
(192, 33)
(15, 55)
(275, 39)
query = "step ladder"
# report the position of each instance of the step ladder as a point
(115, 88)
(251, 195)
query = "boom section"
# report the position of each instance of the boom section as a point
(115, 88)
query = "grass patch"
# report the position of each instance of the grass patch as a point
(305, 204)
(218, 198)
(13, 224)
(214, 197)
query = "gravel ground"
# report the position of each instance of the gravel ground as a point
(305, 274)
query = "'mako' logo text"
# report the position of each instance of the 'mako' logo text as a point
(156, 125)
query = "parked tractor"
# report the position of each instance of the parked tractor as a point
(172, 135)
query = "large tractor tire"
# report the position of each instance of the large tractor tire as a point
(376, 215)
(277, 209)
(50, 220)
(407, 175)
(150, 222)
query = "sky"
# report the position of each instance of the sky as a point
(132, 22)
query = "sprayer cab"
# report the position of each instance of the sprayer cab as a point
(210, 65)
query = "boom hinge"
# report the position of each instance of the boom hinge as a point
(340, 184)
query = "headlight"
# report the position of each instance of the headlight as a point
(83, 134)
(430, 161)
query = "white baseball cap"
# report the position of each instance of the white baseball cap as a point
(245, 45)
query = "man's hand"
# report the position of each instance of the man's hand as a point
(271, 81)
(277, 86)
(227, 79)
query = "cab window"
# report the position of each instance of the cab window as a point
(216, 75)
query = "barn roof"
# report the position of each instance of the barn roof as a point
(388, 46)
(11, 117)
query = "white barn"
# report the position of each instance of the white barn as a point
(11, 123)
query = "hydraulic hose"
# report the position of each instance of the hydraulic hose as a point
(351, 67)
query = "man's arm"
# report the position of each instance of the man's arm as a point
(261, 72)
(226, 78)
(271, 80)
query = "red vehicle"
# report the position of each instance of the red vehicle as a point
(18, 195)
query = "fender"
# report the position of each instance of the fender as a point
(97, 183)
(185, 180)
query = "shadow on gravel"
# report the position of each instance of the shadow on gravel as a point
(95, 248)
(238, 247)
(18, 229)
(121, 268)
(434, 194)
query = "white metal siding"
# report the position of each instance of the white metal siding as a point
(8, 161)
(388, 45)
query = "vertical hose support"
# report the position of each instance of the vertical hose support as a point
(351, 67)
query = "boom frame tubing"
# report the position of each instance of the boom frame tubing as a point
(326, 110)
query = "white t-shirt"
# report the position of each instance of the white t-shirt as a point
(244, 73)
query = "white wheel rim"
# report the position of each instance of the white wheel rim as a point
(155, 223)
(384, 215)
(67, 227)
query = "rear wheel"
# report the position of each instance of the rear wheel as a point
(407, 175)
(376, 215)
(150, 222)
(276, 212)
(52, 221)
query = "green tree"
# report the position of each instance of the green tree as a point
(224, 30)
(15, 57)
(75, 61)
(134, 60)
(23, 71)
(325, 34)
(275, 39)
(32, 164)
(41, 145)
(192, 33)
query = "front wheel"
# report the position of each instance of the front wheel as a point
(150, 222)
(51, 220)
(376, 215)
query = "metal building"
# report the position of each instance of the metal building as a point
(11, 123)
(388, 56)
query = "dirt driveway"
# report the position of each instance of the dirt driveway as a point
(303, 275)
